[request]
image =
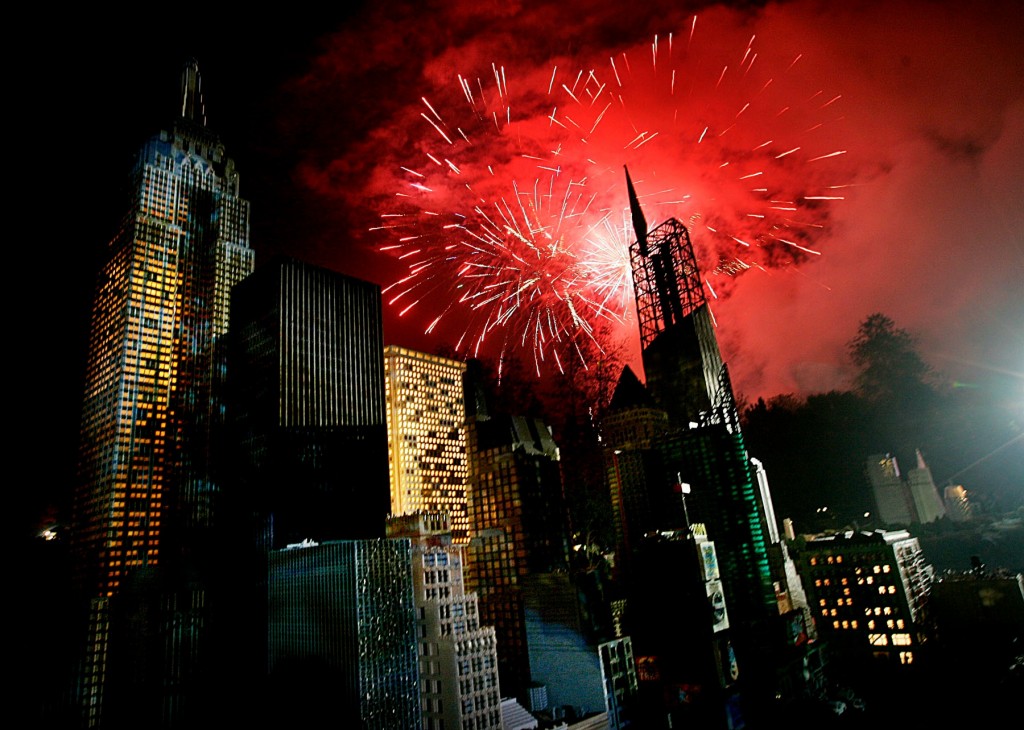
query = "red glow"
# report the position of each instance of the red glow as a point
(512, 201)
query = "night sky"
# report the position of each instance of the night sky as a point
(321, 110)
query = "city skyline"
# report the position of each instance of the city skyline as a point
(202, 212)
(281, 107)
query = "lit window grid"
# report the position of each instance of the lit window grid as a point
(140, 336)
(862, 591)
(427, 450)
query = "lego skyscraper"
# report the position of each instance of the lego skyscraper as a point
(307, 396)
(426, 417)
(146, 492)
(688, 380)
(702, 448)
(341, 639)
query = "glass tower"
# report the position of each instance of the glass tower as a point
(146, 491)
(341, 640)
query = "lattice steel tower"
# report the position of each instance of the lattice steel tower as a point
(682, 362)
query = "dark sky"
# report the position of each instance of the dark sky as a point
(322, 108)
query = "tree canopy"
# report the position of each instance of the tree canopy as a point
(889, 364)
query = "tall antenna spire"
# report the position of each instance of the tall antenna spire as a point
(639, 222)
(192, 108)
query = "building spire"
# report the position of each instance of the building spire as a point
(639, 222)
(192, 108)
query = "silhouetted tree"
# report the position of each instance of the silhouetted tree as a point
(890, 366)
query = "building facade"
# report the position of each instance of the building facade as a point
(426, 420)
(869, 591)
(618, 676)
(518, 534)
(341, 639)
(307, 402)
(147, 491)
(892, 496)
(698, 469)
(459, 683)
(928, 504)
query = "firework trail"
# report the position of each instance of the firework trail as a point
(511, 213)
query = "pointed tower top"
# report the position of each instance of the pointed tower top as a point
(630, 393)
(639, 222)
(192, 108)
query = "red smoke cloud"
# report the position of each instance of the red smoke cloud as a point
(929, 117)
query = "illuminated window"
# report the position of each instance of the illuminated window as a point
(901, 639)
(906, 657)
(878, 639)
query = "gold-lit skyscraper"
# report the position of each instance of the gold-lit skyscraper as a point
(152, 383)
(426, 416)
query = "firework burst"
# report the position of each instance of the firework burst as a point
(511, 213)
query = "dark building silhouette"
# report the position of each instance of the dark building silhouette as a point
(147, 492)
(675, 456)
(703, 446)
(307, 404)
(306, 437)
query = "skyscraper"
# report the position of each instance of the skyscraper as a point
(928, 505)
(892, 496)
(341, 639)
(518, 531)
(870, 591)
(146, 491)
(703, 447)
(458, 657)
(426, 417)
(688, 379)
(307, 403)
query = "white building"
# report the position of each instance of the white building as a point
(458, 657)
